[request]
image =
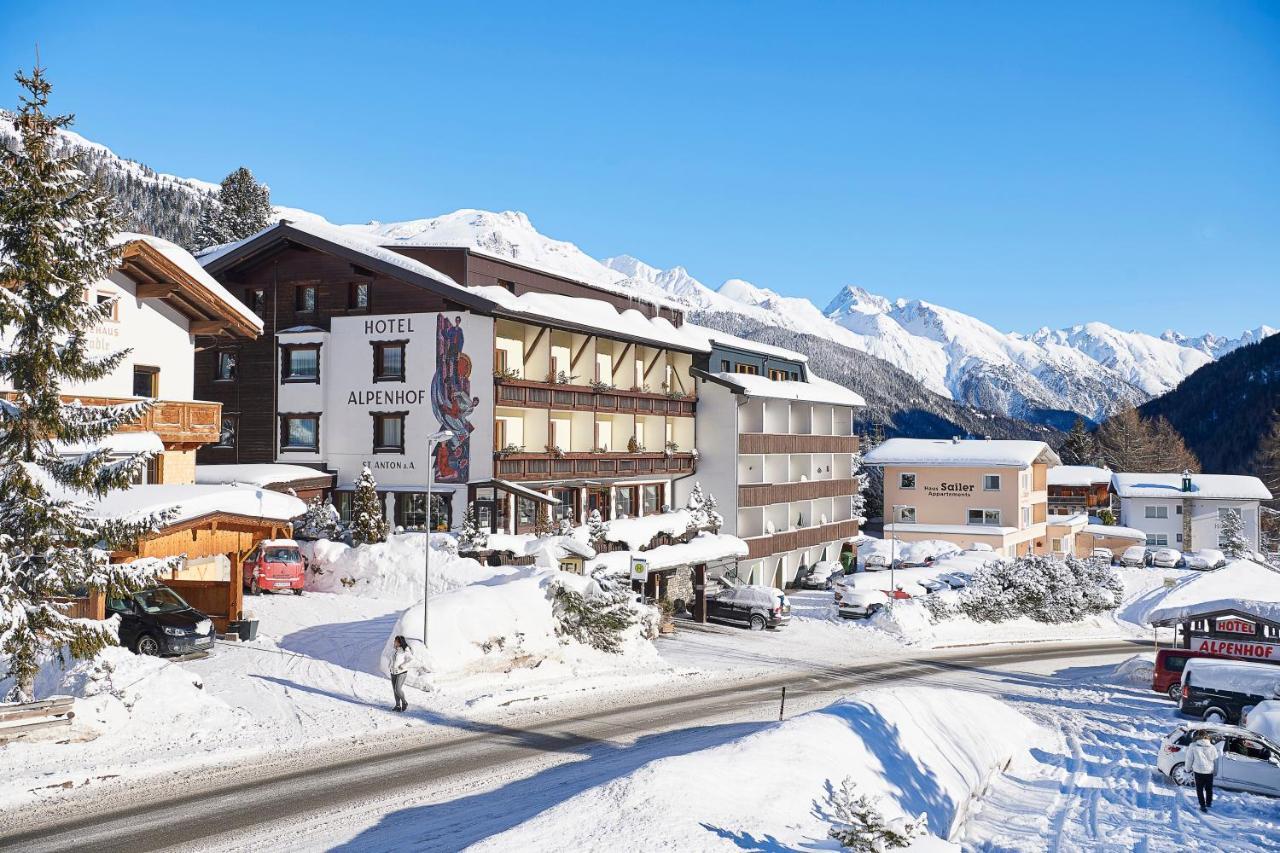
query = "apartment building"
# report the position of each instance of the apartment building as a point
(788, 488)
(971, 491)
(164, 305)
(559, 397)
(1185, 511)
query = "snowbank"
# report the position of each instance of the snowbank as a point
(703, 548)
(910, 552)
(917, 749)
(505, 623)
(1136, 670)
(1264, 718)
(1240, 585)
(393, 569)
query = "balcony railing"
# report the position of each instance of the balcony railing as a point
(568, 466)
(583, 398)
(181, 424)
(768, 442)
(806, 537)
(763, 494)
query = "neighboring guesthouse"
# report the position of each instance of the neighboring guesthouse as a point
(1184, 511)
(1075, 489)
(971, 491)
(788, 489)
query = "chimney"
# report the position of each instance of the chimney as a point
(1186, 481)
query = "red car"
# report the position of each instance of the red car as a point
(276, 564)
(1166, 678)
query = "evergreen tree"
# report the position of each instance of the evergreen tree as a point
(861, 826)
(597, 530)
(368, 525)
(320, 521)
(56, 232)
(472, 537)
(1079, 448)
(859, 499)
(242, 209)
(1231, 538)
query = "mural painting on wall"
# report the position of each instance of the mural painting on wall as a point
(452, 402)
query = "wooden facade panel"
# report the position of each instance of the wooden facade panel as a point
(568, 466)
(548, 395)
(764, 494)
(763, 442)
(791, 540)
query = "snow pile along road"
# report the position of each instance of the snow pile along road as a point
(917, 749)
(394, 569)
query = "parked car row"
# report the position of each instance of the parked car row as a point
(1204, 559)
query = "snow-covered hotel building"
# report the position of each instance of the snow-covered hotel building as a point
(972, 491)
(164, 304)
(1184, 511)
(788, 490)
(561, 396)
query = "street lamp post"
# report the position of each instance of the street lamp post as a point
(433, 441)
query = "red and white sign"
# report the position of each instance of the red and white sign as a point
(1234, 625)
(1236, 649)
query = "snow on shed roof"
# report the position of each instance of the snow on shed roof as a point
(1078, 475)
(703, 548)
(816, 390)
(193, 501)
(1204, 486)
(1240, 585)
(1115, 531)
(264, 474)
(961, 453)
(120, 442)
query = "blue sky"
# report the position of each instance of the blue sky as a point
(1032, 166)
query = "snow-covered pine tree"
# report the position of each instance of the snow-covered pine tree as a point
(243, 208)
(859, 500)
(1079, 447)
(320, 521)
(368, 525)
(1231, 538)
(56, 232)
(543, 524)
(862, 827)
(696, 507)
(597, 529)
(472, 537)
(714, 519)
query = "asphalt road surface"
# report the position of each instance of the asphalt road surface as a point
(164, 817)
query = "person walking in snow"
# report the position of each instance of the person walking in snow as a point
(401, 661)
(1202, 760)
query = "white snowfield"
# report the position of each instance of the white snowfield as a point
(916, 749)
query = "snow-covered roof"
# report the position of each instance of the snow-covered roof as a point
(703, 548)
(122, 443)
(1078, 475)
(725, 339)
(193, 501)
(1203, 486)
(264, 474)
(1115, 531)
(816, 390)
(1240, 585)
(961, 453)
(185, 261)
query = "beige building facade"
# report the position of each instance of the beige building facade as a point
(970, 492)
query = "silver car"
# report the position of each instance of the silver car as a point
(1247, 761)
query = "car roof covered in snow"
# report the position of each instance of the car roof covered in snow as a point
(1203, 486)
(961, 453)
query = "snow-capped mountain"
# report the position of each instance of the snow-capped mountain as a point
(1215, 346)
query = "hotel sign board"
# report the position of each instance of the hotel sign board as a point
(1236, 625)
(1236, 648)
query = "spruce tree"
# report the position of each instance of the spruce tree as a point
(56, 233)
(1231, 538)
(472, 537)
(242, 209)
(368, 525)
(597, 530)
(858, 501)
(1079, 448)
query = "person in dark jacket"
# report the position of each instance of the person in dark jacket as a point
(401, 662)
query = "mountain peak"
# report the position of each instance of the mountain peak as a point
(854, 298)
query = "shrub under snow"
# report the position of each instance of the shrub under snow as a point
(393, 569)
(1046, 589)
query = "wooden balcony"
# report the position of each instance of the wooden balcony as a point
(181, 424)
(768, 442)
(806, 537)
(570, 466)
(763, 494)
(582, 398)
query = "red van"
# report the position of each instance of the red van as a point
(1166, 678)
(276, 564)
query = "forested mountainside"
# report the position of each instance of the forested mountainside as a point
(896, 403)
(1225, 408)
(151, 202)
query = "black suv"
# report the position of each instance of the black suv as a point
(157, 621)
(759, 607)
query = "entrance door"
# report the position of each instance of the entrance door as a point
(598, 499)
